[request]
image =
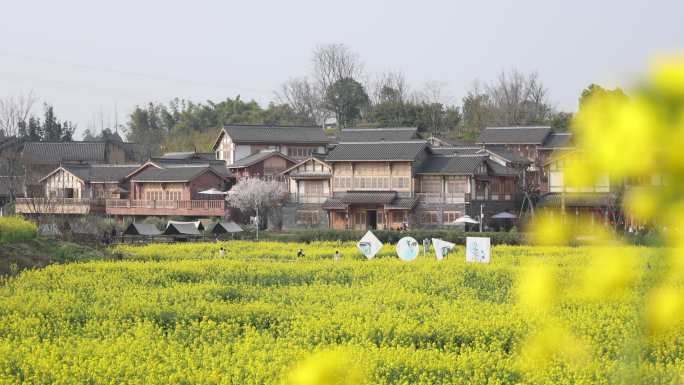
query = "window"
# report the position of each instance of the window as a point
(173, 195)
(429, 217)
(342, 182)
(154, 195)
(399, 216)
(307, 217)
(300, 152)
(456, 186)
(371, 182)
(431, 185)
(401, 182)
(313, 188)
(450, 216)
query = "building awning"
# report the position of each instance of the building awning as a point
(368, 197)
(576, 200)
(402, 204)
(181, 229)
(226, 227)
(334, 204)
(142, 229)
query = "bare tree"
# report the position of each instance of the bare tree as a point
(303, 98)
(389, 86)
(14, 112)
(333, 62)
(14, 115)
(519, 99)
(259, 195)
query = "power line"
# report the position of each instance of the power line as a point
(134, 74)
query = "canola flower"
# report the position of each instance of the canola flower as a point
(636, 143)
(275, 320)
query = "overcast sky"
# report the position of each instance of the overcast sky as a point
(85, 57)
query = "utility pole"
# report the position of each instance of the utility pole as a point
(481, 216)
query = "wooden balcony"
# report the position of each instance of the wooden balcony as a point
(301, 198)
(59, 206)
(437, 198)
(214, 207)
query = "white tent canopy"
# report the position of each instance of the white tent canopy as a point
(213, 191)
(466, 219)
(504, 215)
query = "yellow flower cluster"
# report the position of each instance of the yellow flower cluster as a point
(162, 318)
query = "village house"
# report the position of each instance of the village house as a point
(265, 164)
(387, 178)
(77, 189)
(520, 144)
(41, 158)
(238, 141)
(159, 188)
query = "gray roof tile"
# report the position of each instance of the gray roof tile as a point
(388, 134)
(170, 174)
(451, 165)
(252, 133)
(514, 135)
(65, 152)
(101, 173)
(256, 158)
(371, 197)
(558, 140)
(377, 151)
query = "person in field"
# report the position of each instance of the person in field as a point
(337, 255)
(300, 253)
(222, 252)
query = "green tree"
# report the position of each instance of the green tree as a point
(595, 89)
(346, 98)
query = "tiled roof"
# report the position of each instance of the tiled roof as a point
(256, 158)
(510, 156)
(142, 229)
(402, 204)
(181, 229)
(334, 204)
(188, 156)
(101, 173)
(226, 227)
(65, 152)
(170, 174)
(389, 134)
(514, 135)
(499, 169)
(558, 140)
(450, 165)
(577, 199)
(376, 151)
(370, 197)
(254, 133)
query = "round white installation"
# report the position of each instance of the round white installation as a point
(407, 249)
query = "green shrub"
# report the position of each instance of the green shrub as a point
(16, 229)
(391, 236)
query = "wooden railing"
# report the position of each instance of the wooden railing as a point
(443, 198)
(302, 198)
(58, 205)
(164, 204)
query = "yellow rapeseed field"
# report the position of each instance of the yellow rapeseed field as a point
(181, 314)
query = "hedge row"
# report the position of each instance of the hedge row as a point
(16, 229)
(391, 236)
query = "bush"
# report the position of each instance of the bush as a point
(391, 236)
(16, 229)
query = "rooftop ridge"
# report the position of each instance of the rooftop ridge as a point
(380, 129)
(271, 125)
(516, 127)
(387, 142)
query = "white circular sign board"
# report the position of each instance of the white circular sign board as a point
(407, 249)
